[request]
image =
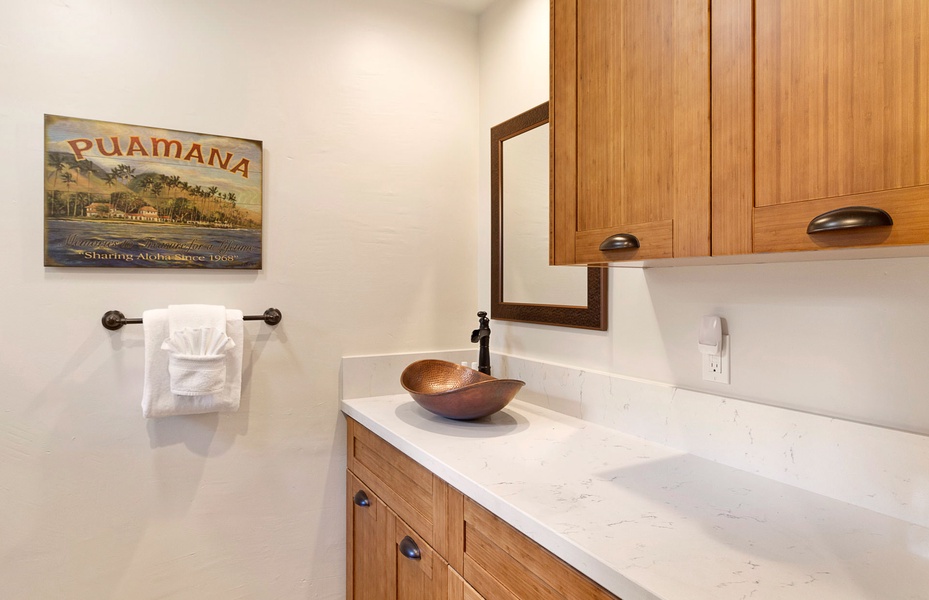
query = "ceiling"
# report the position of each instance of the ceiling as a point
(472, 6)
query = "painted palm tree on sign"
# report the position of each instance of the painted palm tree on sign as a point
(211, 193)
(80, 200)
(180, 210)
(76, 167)
(59, 164)
(67, 178)
(125, 173)
(171, 182)
(85, 168)
(197, 192)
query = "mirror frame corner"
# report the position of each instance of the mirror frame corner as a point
(594, 315)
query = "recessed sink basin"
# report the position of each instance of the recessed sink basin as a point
(457, 392)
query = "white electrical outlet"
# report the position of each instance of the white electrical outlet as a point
(716, 366)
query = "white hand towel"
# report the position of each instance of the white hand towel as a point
(194, 316)
(197, 360)
(157, 398)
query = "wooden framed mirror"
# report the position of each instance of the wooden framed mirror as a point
(524, 287)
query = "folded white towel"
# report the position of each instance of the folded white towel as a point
(192, 375)
(197, 360)
(157, 397)
(195, 316)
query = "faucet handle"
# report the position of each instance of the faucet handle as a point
(483, 320)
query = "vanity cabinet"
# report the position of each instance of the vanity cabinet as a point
(817, 106)
(457, 550)
(630, 114)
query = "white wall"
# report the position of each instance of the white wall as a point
(368, 113)
(840, 338)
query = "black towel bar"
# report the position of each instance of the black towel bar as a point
(113, 319)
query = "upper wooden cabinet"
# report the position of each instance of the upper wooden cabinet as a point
(817, 105)
(630, 128)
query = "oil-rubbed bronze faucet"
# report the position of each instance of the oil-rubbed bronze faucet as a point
(482, 335)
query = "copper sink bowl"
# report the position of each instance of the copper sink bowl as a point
(457, 392)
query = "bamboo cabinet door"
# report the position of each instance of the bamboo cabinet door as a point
(836, 104)
(386, 559)
(630, 128)
(418, 572)
(367, 569)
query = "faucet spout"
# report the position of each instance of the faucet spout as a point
(481, 336)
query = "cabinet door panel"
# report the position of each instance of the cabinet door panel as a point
(838, 98)
(419, 576)
(631, 123)
(842, 98)
(367, 566)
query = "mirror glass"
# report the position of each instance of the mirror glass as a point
(524, 287)
(527, 276)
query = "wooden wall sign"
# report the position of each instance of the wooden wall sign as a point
(131, 196)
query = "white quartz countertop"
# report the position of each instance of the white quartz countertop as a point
(648, 522)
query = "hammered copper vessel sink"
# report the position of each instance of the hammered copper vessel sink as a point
(457, 392)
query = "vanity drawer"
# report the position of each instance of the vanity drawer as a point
(500, 562)
(458, 588)
(411, 491)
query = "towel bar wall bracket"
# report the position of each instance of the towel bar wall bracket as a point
(114, 319)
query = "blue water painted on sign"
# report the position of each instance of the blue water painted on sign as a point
(78, 243)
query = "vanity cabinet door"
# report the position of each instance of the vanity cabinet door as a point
(630, 114)
(819, 105)
(419, 573)
(386, 559)
(366, 539)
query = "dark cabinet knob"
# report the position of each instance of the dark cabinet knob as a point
(361, 499)
(619, 241)
(409, 549)
(850, 217)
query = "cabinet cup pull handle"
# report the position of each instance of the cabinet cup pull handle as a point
(619, 241)
(361, 499)
(850, 217)
(409, 549)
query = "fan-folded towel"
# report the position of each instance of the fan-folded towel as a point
(160, 325)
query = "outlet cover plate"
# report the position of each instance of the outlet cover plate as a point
(715, 367)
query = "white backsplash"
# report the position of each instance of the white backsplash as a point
(880, 469)
(379, 375)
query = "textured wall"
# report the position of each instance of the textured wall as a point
(368, 114)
